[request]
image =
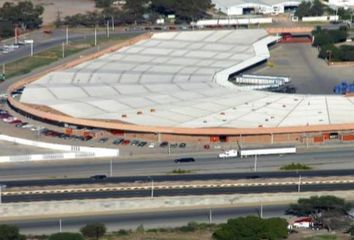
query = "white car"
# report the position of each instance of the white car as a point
(151, 145)
(9, 119)
(229, 154)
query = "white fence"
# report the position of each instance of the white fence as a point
(72, 151)
(225, 22)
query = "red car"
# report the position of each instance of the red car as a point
(17, 121)
(126, 142)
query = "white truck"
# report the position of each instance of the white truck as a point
(228, 154)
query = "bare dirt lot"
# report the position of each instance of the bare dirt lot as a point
(308, 73)
(65, 7)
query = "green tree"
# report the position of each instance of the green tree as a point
(66, 236)
(8, 232)
(94, 230)
(247, 228)
(103, 3)
(316, 8)
(23, 14)
(315, 204)
(185, 10)
(303, 9)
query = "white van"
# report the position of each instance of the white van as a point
(228, 154)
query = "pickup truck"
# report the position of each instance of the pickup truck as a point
(228, 154)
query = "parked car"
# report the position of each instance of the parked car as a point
(126, 142)
(164, 144)
(206, 146)
(182, 145)
(151, 145)
(103, 140)
(142, 144)
(9, 119)
(118, 141)
(16, 121)
(174, 145)
(182, 160)
(134, 142)
(20, 125)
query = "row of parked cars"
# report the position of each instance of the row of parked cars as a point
(122, 141)
(6, 117)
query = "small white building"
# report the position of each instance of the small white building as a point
(241, 7)
(341, 3)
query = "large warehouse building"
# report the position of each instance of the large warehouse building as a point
(175, 86)
(241, 7)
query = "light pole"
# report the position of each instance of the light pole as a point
(31, 48)
(255, 163)
(60, 226)
(3, 69)
(111, 168)
(299, 184)
(152, 188)
(67, 35)
(107, 29)
(63, 49)
(210, 215)
(95, 36)
(112, 23)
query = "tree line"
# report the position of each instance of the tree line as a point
(140, 12)
(23, 14)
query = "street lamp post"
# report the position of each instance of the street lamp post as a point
(299, 184)
(111, 168)
(255, 163)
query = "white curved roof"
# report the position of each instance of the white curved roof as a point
(183, 77)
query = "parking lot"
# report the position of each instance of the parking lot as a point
(309, 74)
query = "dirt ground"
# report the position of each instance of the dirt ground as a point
(65, 7)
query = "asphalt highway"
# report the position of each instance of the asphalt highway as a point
(328, 159)
(149, 220)
(24, 51)
(176, 192)
(181, 177)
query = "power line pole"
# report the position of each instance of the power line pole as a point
(152, 188)
(3, 68)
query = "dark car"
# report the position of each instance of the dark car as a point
(142, 144)
(252, 177)
(182, 160)
(182, 145)
(174, 145)
(164, 144)
(103, 140)
(98, 177)
(118, 141)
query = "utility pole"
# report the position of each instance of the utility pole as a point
(63, 49)
(0, 194)
(255, 163)
(261, 212)
(67, 35)
(299, 184)
(3, 69)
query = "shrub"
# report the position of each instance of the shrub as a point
(66, 236)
